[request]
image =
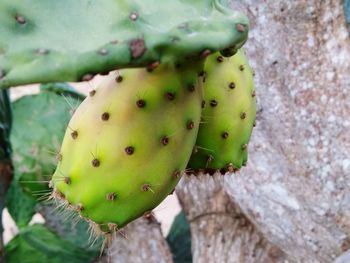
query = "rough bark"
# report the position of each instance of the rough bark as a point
(141, 241)
(296, 186)
(220, 231)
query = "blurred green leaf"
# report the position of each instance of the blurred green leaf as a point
(36, 244)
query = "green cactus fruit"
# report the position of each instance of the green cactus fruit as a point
(128, 143)
(228, 116)
(56, 41)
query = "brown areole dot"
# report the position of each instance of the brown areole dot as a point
(140, 103)
(205, 53)
(105, 116)
(111, 196)
(129, 150)
(225, 135)
(87, 77)
(220, 59)
(67, 180)
(203, 104)
(241, 67)
(119, 79)
(190, 125)
(95, 163)
(165, 140)
(240, 28)
(20, 19)
(133, 16)
(213, 103)
(244, 146)
(145, 187)
(92, 93)
(232, 85)
(74, 134)
(153, 66)
(42, 51)
(59, 157)
(177, 174)
(170, 95)
(253, 93)
(80, 207)
(103, 51)
(191, 87)
(243, 115)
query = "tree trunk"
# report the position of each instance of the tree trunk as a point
(220, 231)
(139, 242)
(296, 186)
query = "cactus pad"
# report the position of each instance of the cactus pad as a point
(48, 40)
(128, 143)
(228, 116)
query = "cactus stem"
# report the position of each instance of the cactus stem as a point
(129, 150)
(105, 116)
(2, 73)
(95, 162)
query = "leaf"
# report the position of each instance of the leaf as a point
(36, 244)
(179, 239)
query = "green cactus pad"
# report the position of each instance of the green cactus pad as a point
(128, 143)
(47, 40)
(228, 116)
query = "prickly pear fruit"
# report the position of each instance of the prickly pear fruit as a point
(228, 116)
(128, 143)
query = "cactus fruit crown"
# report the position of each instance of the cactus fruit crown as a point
(131, 33)
(117, 157)
(228, 115)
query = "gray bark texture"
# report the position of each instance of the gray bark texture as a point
(292, 202)
(139, 242)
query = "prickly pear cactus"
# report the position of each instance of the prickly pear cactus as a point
(228, 116)
(128, 143)
(90, 37)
